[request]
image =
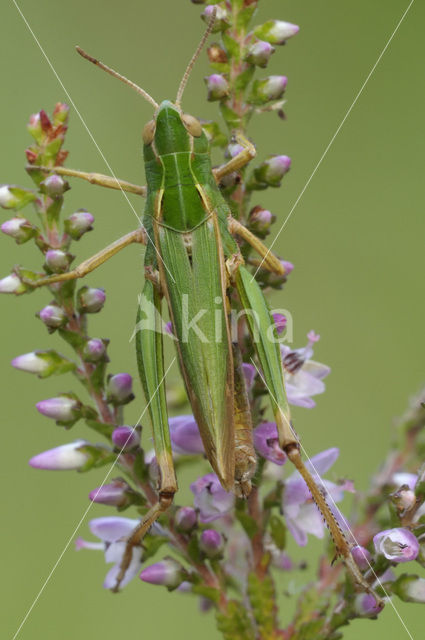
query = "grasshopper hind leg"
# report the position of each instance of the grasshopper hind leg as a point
(165, 501)
(245, 458)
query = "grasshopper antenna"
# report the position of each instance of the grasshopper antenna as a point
(115, 74)
(194, 58)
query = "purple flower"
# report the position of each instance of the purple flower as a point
(120, 388)
(31, 362)
(185, 519)
(303, 376)
(64, 408)
(361, 557)
(53, 316)
(266, 442)
(217, 85)
(185, 437)
(249, 372)
(210, 498)
(367, 605)
(94, 350)
(113, 494)
(211, 543)
(78, 223)
(259, 53)
(168, 573)
(64, 458)
(57, 260)
(90, 300)
(113, 531)
(397, 545)
(301, 513)
(401, 478)
(279, 319)
(125, 438)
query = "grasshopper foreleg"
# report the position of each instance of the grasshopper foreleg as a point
(95, 178)
(139, 235)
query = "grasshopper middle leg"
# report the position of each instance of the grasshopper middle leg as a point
(139, 235)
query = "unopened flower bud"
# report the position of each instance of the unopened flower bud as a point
(259, 53)
(57, 261)
(217, 55)
(260, 220)
(409, 588)
(11, 284)
(211, 543)
(221, 23)
(218, 87)
(168, 573)
(64, 458)
(53, 316)
(366, 605)
(55, 186)
(184, 434)
(271, 171)
(361, 557)
(280, 322)
(31, 363)
(90, 300)
(119, 388)
(233, 149)
(185, 519)
(43, 363)
(78, 224)
(60, 113)
(113, 494)
(275, 280)
(276, 31)
(19, 229)
(12, 197)
(125, 438)
(63, 408)
(397, 545)
(271, 88)
(34, 127)
(94, 350)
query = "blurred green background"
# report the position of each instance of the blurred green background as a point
(356, 239)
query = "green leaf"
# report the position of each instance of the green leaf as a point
(207, 592)
(248, 523)
(244, 78)
(244, 17)
(235, 624)
(232, 46)
(151, 544)
(103, 428)
(231, 118)
(278, 531)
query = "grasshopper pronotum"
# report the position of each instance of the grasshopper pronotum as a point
(191, 254)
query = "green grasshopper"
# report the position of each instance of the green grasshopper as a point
(191, 254)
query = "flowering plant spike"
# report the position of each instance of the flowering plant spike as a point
(205, 261)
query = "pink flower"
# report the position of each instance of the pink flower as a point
(303, 376)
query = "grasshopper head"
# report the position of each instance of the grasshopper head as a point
(171, 130)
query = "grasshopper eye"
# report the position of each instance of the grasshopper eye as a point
(149, 132)
(192, 125)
